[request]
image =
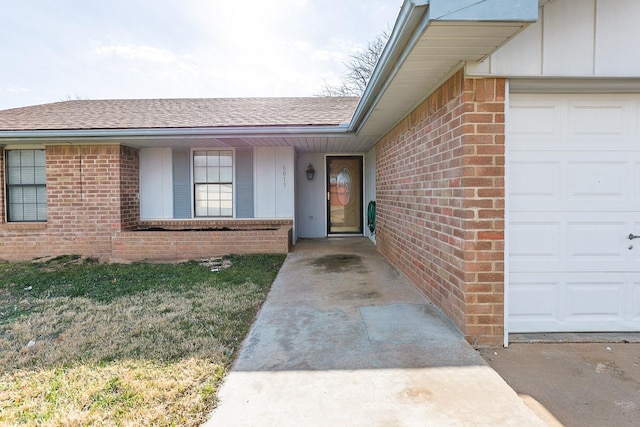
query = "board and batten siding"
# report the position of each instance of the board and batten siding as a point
(572, 38)
(156, 190)
(274, 184)
(263, 187)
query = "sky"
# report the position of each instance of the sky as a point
(55, 50)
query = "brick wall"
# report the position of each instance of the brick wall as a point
(191, 239)
(440, 202)
(86, 203)
(129, 188)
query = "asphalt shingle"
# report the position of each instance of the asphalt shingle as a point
(180, 113)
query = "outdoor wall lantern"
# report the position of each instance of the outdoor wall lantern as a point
(310, 172)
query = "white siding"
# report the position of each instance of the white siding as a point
(572, 38)
(156, 188)
(275, 183)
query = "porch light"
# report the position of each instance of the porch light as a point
(310, 172)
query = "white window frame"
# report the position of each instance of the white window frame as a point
(194, 183)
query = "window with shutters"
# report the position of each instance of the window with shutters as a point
(213, 183)
(26, 182)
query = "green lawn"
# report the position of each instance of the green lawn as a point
(88, 343)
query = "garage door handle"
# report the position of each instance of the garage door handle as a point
(633, 236)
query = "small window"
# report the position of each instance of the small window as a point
(213, 180)
(26, 177)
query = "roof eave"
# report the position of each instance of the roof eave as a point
(124, 135)
(413, 22)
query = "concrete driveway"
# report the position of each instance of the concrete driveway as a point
(344, 340)
(580, 384)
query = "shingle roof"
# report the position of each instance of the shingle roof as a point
(179, 113)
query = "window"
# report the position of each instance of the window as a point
(213, 180)
(26, 178)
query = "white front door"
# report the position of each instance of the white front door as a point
(573, 198)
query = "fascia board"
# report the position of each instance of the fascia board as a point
(185, 133)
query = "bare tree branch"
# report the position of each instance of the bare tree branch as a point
(358, 70)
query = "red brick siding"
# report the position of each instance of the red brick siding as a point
(242, 237)
(440, 202)
(85, 205)
(129, 188)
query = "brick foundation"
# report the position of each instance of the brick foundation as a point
(440, 202)
(202, 239)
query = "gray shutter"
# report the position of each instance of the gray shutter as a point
(181, 183)
(244, 183)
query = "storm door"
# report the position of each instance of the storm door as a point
(344, 195)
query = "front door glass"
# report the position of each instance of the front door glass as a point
(344, 196)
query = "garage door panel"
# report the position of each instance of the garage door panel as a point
(598, 181)
(573, 176)
(593, 120)
(534, 297)
(561, 302)
(597, 242)
(536, 120)
(595, 301)
(545, 186)
(535, 240)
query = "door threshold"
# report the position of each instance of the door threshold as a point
(345, 235)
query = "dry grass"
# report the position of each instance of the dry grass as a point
(127, 354)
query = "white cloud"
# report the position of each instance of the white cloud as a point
(17, 90)
(136, 52)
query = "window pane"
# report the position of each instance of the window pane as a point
(13, 158)
(13, 175)
(40, 175)
(212, 158)
(200, 158)
(27, 158)
(41, 195)
(200, 174)
(15, 212)
(201, 209)
(213, 174)
(27, 175)
(226, 208)
(42, 212)
(226, 158)
(40, 158)
(15, 195)
(29, 195)
(226, 174)
(226, 191)
(214, 208)
(30, 212)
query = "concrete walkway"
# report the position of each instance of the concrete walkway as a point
(344, 340)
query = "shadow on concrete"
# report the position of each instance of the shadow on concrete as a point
(344, 340)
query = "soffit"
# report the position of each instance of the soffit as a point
(441, 50)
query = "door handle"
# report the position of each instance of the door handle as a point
(633, 236)
(329, 197)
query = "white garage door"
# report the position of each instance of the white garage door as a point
(573, 200)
